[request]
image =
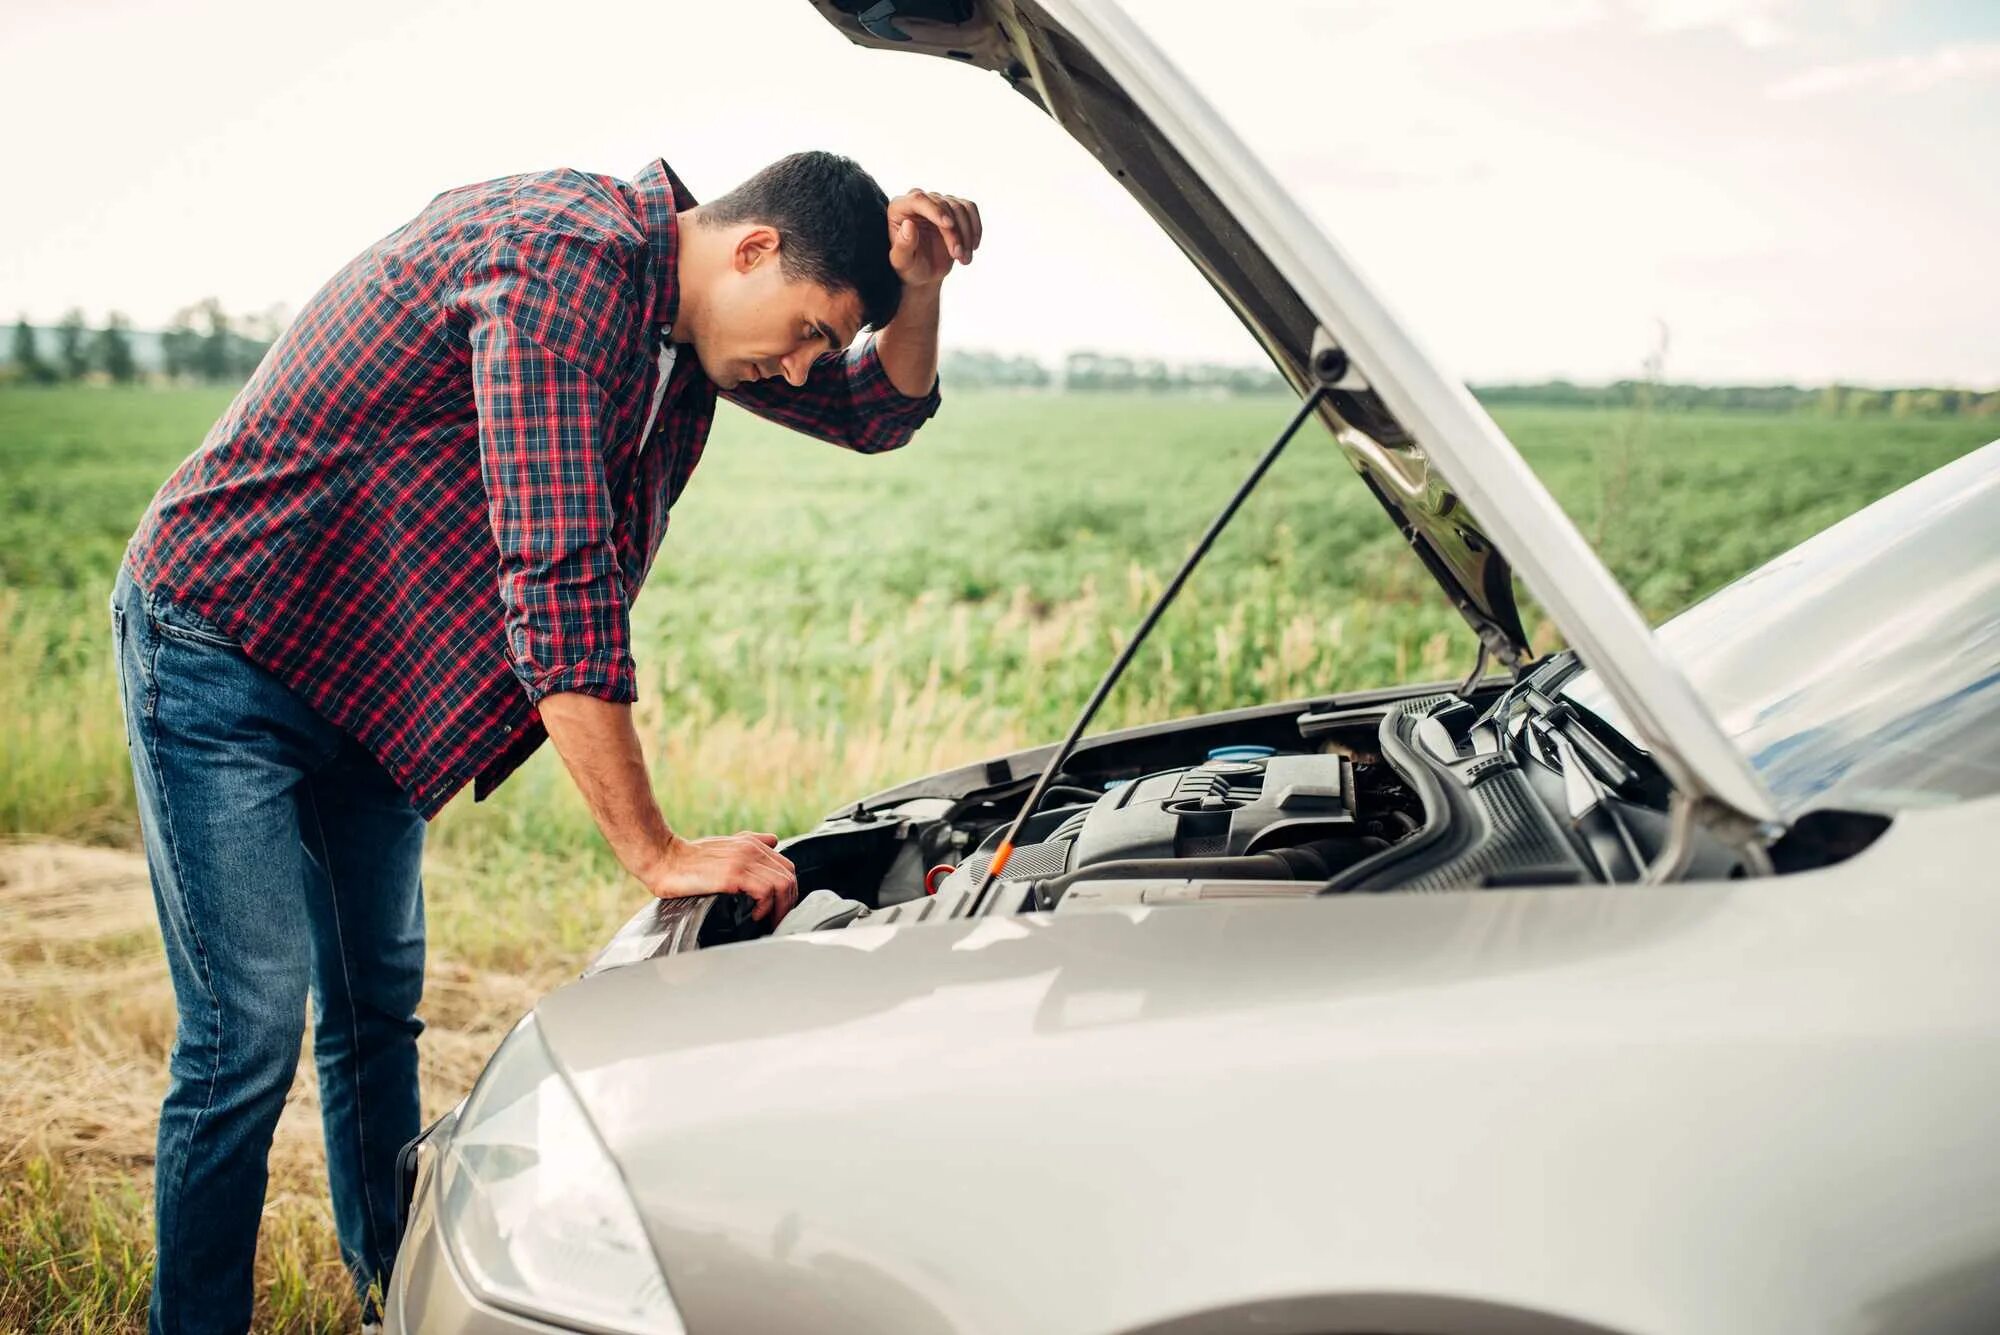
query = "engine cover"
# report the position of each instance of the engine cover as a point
(1221, 808)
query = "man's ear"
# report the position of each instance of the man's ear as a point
(758, 245)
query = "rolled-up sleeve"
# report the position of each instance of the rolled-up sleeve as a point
(534, 307)
(847, 399)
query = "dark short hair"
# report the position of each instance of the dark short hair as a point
(833, 224)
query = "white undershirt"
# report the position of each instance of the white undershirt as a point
(667, 351)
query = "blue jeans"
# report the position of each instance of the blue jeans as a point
(284, 862)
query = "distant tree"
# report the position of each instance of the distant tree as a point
(975, 367)
(177, 346)
(265, 326)
(28, 356)
(252, 337)
(212, 360)
(1028, 373)
(1080, 370)
(112, 350)
(73, 346)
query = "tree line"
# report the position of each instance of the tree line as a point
(1096, 372)
(204, 343)
(78, 351)
(1089, 371)
(1823, 400)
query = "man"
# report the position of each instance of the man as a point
(403, 556)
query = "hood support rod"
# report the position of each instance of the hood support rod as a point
(1324, 361)
(1472, 678)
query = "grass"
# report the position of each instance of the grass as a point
(818, 625)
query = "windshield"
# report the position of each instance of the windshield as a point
(1862, 668)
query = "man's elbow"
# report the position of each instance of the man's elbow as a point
(877, 439)
(881, 432)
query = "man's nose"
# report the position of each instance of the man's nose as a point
(797, 367)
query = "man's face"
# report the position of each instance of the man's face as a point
(759, 324)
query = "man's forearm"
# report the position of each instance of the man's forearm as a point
(600, 747)
(909, 346)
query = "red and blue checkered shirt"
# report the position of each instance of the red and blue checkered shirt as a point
(431, 505)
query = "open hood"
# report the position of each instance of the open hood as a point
(1454, 486)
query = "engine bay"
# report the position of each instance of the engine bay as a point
(1414, 791)
(1396, 791)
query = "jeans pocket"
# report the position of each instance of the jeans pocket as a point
(173, 622)
(167, 630)
(133, 649)
(118, 668)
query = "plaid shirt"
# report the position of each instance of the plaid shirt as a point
(431, 505)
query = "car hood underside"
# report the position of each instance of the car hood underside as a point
(1448, 479)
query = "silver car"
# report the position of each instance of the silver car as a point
(1644, 987)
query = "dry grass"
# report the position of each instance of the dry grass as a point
(82, 1067)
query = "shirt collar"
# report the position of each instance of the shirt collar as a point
(660, 197)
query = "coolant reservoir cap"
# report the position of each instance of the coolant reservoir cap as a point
(1241, 752)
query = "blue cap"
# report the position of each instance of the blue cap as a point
(1242, 752)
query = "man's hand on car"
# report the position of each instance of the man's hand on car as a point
(598, 743)
(745, 863)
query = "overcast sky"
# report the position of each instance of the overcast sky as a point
(1795, 192)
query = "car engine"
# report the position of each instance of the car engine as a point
(1242, 814)
(1381, 792)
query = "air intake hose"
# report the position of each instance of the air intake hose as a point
(1316, 861)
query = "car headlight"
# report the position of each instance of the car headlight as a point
(534, 1212)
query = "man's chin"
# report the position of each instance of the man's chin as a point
(726, 375)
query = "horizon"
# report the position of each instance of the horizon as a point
(46, 333)
(1259, 362)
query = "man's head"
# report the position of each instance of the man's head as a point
(785, 267)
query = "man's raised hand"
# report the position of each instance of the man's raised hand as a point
(927, 232)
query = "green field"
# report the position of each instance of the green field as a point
(819, 624)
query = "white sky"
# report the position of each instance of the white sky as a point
(1797, 192)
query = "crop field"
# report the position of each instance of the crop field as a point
(818, 625)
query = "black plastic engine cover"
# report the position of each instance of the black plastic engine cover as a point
(1222, 808)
